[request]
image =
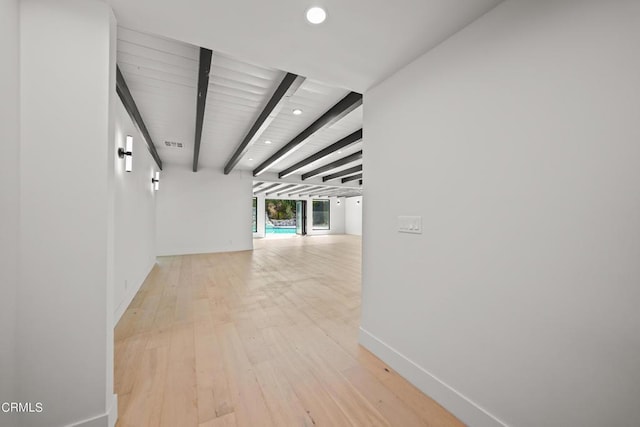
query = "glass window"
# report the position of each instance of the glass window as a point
(321, 214)
(280, 216)
(255, 214)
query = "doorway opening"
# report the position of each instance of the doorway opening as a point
(285, 217)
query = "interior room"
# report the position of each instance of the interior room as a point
(319, 213)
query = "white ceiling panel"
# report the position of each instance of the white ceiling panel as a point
(238, 92)
(314, 99)
(322, 189)
(353, 148)
(325, 137)
(162, 77)
(361, 42)
(340, 169)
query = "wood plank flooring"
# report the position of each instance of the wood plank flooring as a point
(259, 338)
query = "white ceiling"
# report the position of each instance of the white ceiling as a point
(314, 99)
(237, 94)
(162, 77)
(283, 190)
(361, 43)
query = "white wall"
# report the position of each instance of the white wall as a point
(203, 212)
(9, 195)
(65, 311)
(353, 215)
(135, 215)
(522, 293)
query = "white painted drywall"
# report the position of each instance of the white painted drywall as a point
(353, 215)
(203, 212)
(518, 143)
(135, 215)
(65, 311)
(9, 196)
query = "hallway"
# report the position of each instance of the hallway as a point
(262, 338)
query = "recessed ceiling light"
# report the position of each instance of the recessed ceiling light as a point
(267, 142)
(339, 151)
(297, 112)
(316, 15)
(251, 160)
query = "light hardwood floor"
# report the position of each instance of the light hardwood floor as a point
(259, 338)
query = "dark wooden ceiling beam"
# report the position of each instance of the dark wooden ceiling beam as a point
(351, 178)
(130, 105)
(340, 191)
(294, 193)
(301, 191)
(317, 194)
(284, 187)
(296, 187)
(288, 86)
(201, 101)
(267, 188)
(324, 194)
(342, 173)
(258, 184)
(344, 142)
(333, 165)
(323, 191)
(310, 190)
(346, 105)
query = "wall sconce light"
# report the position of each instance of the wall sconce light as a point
(338, 202)
(358, 201)
(155, 181)
(126, 153)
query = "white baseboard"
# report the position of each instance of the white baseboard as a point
(455, 402)
(112, 412)
(108, 419)
(202, 251)
(133, 290)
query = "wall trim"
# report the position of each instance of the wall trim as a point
(112, 413)
(108, 419)
(205, 251)
(455, 402)
(131, 295)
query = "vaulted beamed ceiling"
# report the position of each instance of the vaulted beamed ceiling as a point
(291, 190)
(239, 116)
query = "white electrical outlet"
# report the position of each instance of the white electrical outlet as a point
(410, 224)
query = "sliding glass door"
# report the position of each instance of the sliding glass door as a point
(301, 217)
(321, 214)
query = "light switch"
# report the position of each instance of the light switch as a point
(410, 224)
